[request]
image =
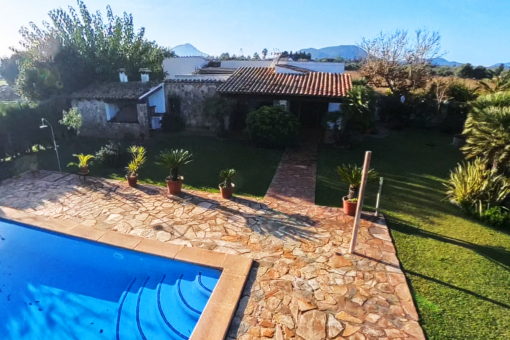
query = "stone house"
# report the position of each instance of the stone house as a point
(120, 109)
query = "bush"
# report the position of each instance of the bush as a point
(172, 122)
(497, 217)
(392, 109)
(112, 155)
(272, 127)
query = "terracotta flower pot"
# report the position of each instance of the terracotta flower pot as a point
(174, 187)
(84, 170)
(226, 192)
(349, 207)
(132, 181)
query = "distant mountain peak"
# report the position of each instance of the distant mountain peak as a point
(188, 50)
(344, 51)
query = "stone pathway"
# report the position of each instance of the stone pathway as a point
(303, 284)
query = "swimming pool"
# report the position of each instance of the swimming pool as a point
(54, 286)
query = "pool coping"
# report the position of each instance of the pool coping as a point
(215, 320)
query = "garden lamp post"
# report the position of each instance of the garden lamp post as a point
(43, 125)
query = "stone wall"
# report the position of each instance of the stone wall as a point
(95, 123)
(192, 95)
(18, 166)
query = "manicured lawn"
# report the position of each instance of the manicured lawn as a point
(255, 166)
(459, 269)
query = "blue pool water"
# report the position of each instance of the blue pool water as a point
(60, 288)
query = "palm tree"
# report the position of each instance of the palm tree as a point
(496, 84)
(174, 159)
(352, 175)
(360, 104)
(487, 131)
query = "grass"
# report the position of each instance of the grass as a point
(3, 82)
(255, 167)
(459, 269)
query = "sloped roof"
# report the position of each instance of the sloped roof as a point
(266, 81)
(295, 68)
(116, 90)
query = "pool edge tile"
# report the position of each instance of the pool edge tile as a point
(155, 247)
(201, 257)
(120, 240)
(237, 265)
(86, 232)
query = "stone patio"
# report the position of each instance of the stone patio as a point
(303, 284)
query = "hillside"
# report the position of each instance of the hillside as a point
(188, 50)
(344, 51)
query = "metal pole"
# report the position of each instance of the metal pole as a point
(54, 144)
(361, 196)
(381, 179)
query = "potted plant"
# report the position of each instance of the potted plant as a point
(138, 154)
(174, 159)
(352, 175)
(83, 163)
(227, 187)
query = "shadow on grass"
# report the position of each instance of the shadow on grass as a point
(498, 255)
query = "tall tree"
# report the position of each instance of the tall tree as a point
(398, 61)
(9, 68)
(78, 48)
(264, 53)
(256, 56)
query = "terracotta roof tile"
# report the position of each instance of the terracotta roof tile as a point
(265, 81)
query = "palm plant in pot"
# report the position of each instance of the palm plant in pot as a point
(173, 159)
(227, 187)
(138, 160)
(352, 175)
(83, 163)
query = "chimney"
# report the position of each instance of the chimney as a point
(122, 75)
(144, 74)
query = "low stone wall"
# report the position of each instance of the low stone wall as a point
(192, 94)
(95, 123)
(17, 166)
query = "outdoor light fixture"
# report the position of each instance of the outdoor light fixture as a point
(43, 125)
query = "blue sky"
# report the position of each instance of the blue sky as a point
(473, 31)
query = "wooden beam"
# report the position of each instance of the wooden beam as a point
(361, 196)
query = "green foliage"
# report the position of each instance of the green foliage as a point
(9, 68)
(226, 175)
(360, 105)
(83, 161)
(479, 72)
(219, 108)
(487, 130)
(498, 83)
(138, 160)
(352, 175)
(272, 127)
(19, 126)
(360, 82)
(110, 155)
(72, 119)
(476, 189)
(78, 48)
(173, 159)
(497, 217)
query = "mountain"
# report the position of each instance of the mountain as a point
(444, 62)
(507, 65)
(344, 51)
(188, 50)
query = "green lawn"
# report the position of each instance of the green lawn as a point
(255, 166)
(459, 269)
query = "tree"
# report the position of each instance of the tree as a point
(256, 56)
(466, 71)
(9, 68)
(225, 56)
(78, 48)
(219, 108)
(401, 63)
(264, 53)
(487, 130)
(496, 84)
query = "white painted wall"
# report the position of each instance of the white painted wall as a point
(245, 63)
(175, 66)
(318, 67)
(111, 111)
(158, 99)
(286, 70)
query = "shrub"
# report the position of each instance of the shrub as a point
(173, 159)
(219, 108)
(111, 155)
(497, 217)
(172, 122)
(392, 109)
(272, 127)
(137, 161)
(352, 175)
(360, 105)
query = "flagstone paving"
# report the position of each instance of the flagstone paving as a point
(303, 284)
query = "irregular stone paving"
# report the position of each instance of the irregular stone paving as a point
(303, 284)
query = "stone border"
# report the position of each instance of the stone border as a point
(215, 320)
